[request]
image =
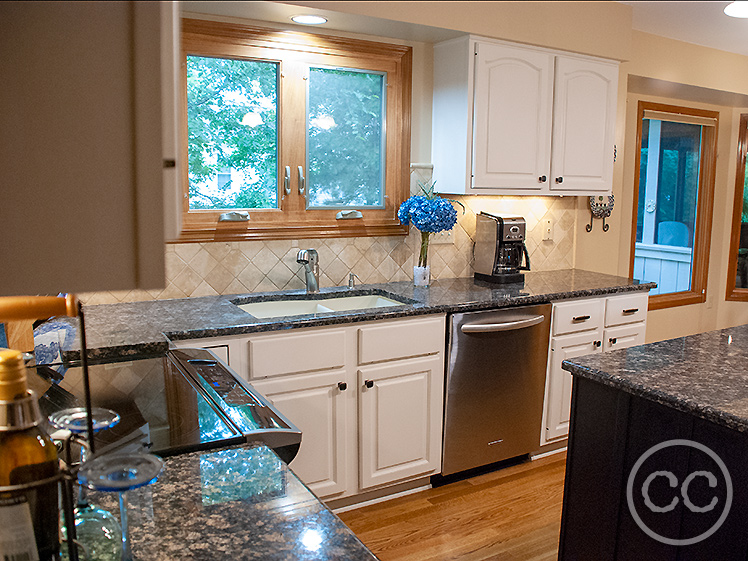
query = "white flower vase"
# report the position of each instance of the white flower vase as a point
(421, 275)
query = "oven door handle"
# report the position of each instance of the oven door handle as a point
(504, 326)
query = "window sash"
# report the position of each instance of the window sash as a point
(295, 52)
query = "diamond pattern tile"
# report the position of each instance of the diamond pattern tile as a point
(199, 269)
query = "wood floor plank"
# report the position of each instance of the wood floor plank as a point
(512, 514)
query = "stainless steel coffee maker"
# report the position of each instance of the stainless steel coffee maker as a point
(500, 251)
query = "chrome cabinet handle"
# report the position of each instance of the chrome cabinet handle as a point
(630, 311)
(287, 180)
(580, 318)
(505, 326)
(302, 181)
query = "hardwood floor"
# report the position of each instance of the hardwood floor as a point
(513, 514)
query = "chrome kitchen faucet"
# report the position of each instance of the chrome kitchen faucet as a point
(310, 259)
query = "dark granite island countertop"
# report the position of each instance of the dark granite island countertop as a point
(121, 331)
(705, 375)
(232, 504)
(658, 444)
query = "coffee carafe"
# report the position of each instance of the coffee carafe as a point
(500, 251)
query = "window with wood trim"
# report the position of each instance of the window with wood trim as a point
(292, 135)
(674, 190)
(737, 268)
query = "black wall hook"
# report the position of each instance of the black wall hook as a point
(600, 209)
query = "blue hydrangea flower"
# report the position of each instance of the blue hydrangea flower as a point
(428, 215)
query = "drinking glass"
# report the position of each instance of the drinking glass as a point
(97, 530)
(121, 472)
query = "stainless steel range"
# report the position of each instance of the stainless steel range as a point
(186, 400)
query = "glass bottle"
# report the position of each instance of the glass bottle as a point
(29, 470)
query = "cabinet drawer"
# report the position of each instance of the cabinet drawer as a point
(292, 353)
(582, 315)
(624, 336)
(402, 339)
(626, 309)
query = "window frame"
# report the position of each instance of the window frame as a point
(291, 220)
(733, 293)
(704, 205)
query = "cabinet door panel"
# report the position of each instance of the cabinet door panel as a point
(559, 396)
(400, 420)
(317, 407)
(583, 125)
(513, 104)
(623, 337)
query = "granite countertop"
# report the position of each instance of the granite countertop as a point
(122, 331)
(705, 375)
(232, 504)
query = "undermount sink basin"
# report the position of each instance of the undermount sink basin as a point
(279, 308)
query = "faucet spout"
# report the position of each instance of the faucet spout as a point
(310, 259)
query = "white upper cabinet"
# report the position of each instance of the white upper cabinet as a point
(532, 121)
(513, 108)
(584, 121)
(87, 144)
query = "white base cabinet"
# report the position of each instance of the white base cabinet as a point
(583, 327)
(316, 405)
(400, 418)
(367, 397)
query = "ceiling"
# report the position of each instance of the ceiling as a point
(702, 23)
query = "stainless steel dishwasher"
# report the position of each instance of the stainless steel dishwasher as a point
(495, 384)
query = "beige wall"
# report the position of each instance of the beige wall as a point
(713, 73)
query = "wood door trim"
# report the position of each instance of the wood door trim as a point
(734, 293)
(704, 208)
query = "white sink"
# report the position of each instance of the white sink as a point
(280, 308)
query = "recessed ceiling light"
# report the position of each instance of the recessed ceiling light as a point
(309, 19)
(737, 9)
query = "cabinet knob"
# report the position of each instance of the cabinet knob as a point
(369, 383)
(559, 180)
(613, 340)
(542, 179)
(342, 386)
(597, 344)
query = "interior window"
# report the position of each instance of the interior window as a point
(675, 183)
(287, 133)
(737, 276)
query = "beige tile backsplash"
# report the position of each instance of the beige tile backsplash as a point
(202, 269)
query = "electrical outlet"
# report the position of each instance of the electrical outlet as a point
(443, 238)
(547, 230)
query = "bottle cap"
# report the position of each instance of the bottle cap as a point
(12, 375)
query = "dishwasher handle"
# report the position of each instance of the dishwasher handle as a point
(504, 326)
